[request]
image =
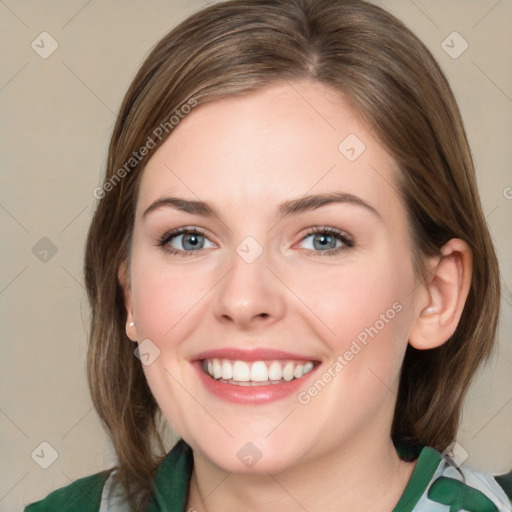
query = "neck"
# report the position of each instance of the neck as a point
(366, 474)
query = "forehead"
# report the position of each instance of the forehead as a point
(258, 149)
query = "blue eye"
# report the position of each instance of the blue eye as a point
(184, 240)
(189, 241)
(320, 241)
(327, 241)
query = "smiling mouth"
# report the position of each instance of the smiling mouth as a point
(255, 373)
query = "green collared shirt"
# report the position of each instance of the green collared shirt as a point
(435, 486)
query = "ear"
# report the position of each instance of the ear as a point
(124, 281)
(441, 300)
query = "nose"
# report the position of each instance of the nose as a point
(249, 296)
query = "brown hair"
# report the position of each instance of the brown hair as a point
(394, 82)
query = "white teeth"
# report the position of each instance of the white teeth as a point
(217, 370)
(245, 373)
(259, 372)
(308, 367)
(288, 372)
(241, 371)
(299, 371)
(275, 371)
(227, 370)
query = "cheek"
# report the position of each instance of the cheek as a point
(354, 301)
(368, 311)
(367, 307)
(154, 306)
(164, 297)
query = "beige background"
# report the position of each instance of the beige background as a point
(57, 116)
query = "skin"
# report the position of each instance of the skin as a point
(245, 156)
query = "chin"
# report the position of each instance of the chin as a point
(257, 457)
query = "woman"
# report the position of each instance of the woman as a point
(290, 233)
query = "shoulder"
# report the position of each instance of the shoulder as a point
(468, 489)
(458, 487)
(83, 495)
(101, 492)
(440, 482)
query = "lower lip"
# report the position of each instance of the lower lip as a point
(250, 394)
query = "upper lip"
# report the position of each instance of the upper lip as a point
(253, 354)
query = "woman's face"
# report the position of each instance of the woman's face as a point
(290, 279)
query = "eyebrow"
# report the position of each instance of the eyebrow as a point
(288, 208)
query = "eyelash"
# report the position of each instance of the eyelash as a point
(167, 237)
(343, 237)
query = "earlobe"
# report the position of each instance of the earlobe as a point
(124, 281)
(131, 330)
(441, 300)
